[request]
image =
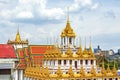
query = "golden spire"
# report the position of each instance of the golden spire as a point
(90, 49)
(59, 72)
(68, 31)
(17, 38)
(103, 71)
(85, 51)
(69, 51)
(93, 72)
(79, 52)
(85, 43)
(108, 68)
(47, 71)
(68, 17)
(82, 72)
(114, 71)
(71, 73)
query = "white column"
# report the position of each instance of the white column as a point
(73, 63)
(66, 41)
(73, 41)
(22, 77)
(94, 62)
(67, 63)
(16, 75)
(83, 63)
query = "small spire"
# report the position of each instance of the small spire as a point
(68, 14)
(85, 42)
(18, 30)
(103, 63)
(114, 64)
(90, 42)
(80, 42)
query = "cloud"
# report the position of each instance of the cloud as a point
(25, 14)
(79, 4)
(110, 14)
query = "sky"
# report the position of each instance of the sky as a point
(42, 21)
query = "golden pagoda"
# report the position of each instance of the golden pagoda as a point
(17, 39)
(18, 42)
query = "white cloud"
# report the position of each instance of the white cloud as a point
(26, 35)
(25, 14)
(78, 4)
(94, 6)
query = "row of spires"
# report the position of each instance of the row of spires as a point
(44, 72)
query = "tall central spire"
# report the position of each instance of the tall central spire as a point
(68, 31)
(68, 15)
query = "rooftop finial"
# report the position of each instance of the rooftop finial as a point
(80, 42)
(85, 42)
(90, 42)
(68, 14)
(18, 30)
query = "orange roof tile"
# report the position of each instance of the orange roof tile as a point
(20, 53)
(38, 49)
(26, 51)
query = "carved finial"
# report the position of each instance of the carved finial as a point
(80, 42)
(68, 14)
(90, 42)
(85, 42)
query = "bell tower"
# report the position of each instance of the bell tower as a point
(68, 35)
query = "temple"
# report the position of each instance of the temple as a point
(68, 62)
(64, 61)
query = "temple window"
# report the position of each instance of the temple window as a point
(81, 62)
(75, 64)
(64, 39)
(91, 61)
(70, 40)
(86, 62)
(54, 62)
(110, 78)
(116, 78)
(70, 61)
(64, 62)
(59, 61)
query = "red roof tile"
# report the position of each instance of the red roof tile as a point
(38, 49)
(7, 51)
